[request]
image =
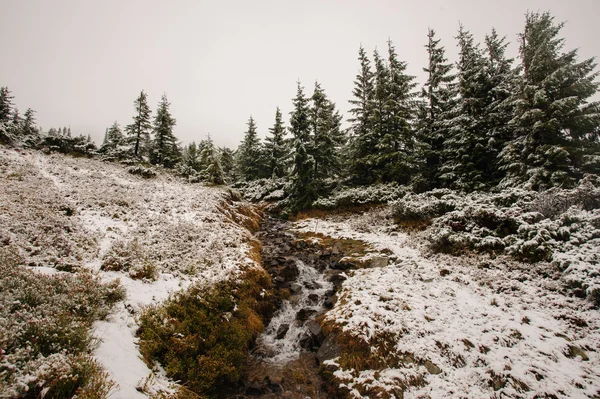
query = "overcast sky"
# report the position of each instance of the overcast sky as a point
(82, 63)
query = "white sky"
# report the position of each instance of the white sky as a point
(82, 63)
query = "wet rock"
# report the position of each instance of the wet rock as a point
(282, 330)
(258, 387)
(306, 342)
(329, 299)
(330, 349)
(337, 278)
(314, 329)
(313, 298)
(312, 285)
(344, 264)
(296, 288)
(278, 280)
(290, 270)
(304, 314)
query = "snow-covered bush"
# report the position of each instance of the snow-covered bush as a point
(264, 189)
(146, 173)
(562, 226)
(425, 206)
(44, 327)
(357, 196)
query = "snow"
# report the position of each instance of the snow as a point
(473, 317)
(184, 230)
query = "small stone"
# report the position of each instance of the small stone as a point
(296, 288)
(282, 330)
(304, 314)
(444, 272)
(432, 368)
(330, 349)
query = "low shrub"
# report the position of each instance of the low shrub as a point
(425, 206)
(202, 336)
(345, 197)
(265, 189)
(44, 329)
(146, 173)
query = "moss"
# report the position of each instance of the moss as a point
(202, 336)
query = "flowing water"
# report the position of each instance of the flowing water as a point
(279, 346)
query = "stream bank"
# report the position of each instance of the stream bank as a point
(286, 359)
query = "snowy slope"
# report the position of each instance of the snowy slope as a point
(77, 211)
(468, 327)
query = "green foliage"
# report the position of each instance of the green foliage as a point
(45, 328)
(212, 171)
(276, 148)
(164, 149)
(78, 145)
(303, 191)
(250, 163)
(553, 122)
(112, 140)
(437, 100)
(202, 336)
(138, 132)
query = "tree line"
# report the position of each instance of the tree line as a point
(478, 124)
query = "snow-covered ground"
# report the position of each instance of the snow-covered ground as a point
(65, 212)
(468, 327)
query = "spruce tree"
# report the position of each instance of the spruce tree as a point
(276, 148)
(209, 158)
(502, 81)
(112, 139)
(362, 141)
(554, 121)
(228, 163)
(437, 99)
(190, 163)
(302, 175)
(164, 148)
(138, 132)
(379, 118)
(466, 157)
(327, 138)
(396, 148)
(6, 105)
(249, 160)
(28, 130)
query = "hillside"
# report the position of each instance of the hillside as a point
(158, 236)
(145, 278)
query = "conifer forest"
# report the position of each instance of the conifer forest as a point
(440, 239)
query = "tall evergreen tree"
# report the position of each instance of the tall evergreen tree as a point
(465, 148)
(29, 132)
(502, 82)
(302, 175)
(554, 121)
(437, 99)
(112, 139)
(6, 104)
(249, 155)
(276, 148)
(190, 163)
(397, 143)
(228, 163)
(139, 131)
(165, 150)
(327, 138)
(363, 141)
(213, 171)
